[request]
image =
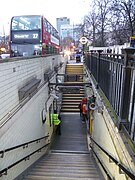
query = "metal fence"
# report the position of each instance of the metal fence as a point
(115, 75)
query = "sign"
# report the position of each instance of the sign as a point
(69, 89)
(55, 40)
(83, 40)
(27, 36)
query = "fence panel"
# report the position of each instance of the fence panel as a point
(115, 75)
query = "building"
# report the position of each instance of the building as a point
(71, 31)
(69, 34)
(61, 21)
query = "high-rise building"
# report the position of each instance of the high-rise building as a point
(61, 21)
(73, 31)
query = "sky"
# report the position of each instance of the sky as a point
(51, 9)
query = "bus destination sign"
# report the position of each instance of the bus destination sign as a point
(25, 35)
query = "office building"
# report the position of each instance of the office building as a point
(62, 21)
(72, 31)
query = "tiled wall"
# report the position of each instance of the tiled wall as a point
(14, 74)
(26, 125)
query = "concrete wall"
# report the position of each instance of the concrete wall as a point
(25, 124)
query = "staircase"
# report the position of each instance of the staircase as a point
(69, 157)
(70, 102)
(64, 166)
(74, 69)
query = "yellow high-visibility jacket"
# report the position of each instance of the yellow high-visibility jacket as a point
(55, 119)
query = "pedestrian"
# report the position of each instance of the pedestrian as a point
(84, 110)
(57, 122)
(80, 108)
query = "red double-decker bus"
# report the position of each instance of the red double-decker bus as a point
(32, 35)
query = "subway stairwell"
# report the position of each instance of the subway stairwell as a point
(71, 101)
(69, 157)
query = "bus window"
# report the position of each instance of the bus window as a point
(46, 25)
(49, 27)
(26, 22)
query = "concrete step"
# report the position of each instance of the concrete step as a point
(71, 100)
(66, 166)
(72, 106)
(65, 103)
(57, 178)
(73, 71)
(74, 95)
(75, 65)
(69, 110)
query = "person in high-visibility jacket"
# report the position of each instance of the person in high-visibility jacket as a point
(57, 122)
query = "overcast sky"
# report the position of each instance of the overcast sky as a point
(51, 9)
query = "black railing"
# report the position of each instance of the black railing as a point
(4, 171)
(72, 77)
(113, 74)
(124, 169)
(71, 84)
(21, 145)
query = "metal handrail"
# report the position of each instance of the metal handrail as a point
(20, 145)
(108, 174)
(131, 175)
(71, 84)
(4, 171)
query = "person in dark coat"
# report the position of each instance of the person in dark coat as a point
(80, 108)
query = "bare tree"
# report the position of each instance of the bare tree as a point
(110, 22)
(118, 27)
(124, 10)
(91, 22)
(66, 42)
(98, 21)
(103, 7)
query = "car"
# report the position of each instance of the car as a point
(4, 56)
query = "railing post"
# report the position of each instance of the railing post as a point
(98, 68)
(90, 63)
(126, 87)
(87, 60)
